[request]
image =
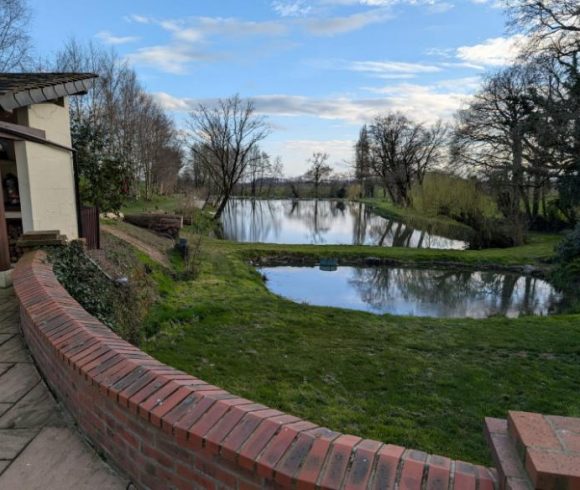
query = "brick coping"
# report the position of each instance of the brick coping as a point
(192, 421)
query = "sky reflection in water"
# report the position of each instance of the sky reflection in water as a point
(321, 222)
(415, 292)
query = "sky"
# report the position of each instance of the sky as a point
(317, 69)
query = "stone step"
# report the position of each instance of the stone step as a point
(510, 469)
(534, 451)
(41, 235)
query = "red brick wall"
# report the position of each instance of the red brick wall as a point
(167, 429)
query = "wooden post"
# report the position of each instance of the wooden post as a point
(4, 245)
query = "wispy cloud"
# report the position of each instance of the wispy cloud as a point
(423, 102)
(298, 151)
(295, 8)
(189, 39)
(331, 26)
(107, 38)
(498, 51)
(172, 59)
(388, 69)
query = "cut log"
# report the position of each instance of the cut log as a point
(163, 224)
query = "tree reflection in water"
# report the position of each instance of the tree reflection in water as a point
(322, 222)
(418, 292)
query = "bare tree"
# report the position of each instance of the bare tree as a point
(259, 167)
(402, 151)
(14, 38)
(552, 26)
(495, 136)
(223, 138)
(319, 170)
(119, 123)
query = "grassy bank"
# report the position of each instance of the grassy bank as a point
(440, 225)
(537, 252)
(420, 382)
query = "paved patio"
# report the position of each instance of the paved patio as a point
(39, 447)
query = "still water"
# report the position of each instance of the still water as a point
(322, 222)
(415, 292)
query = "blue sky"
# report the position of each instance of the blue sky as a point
(317, 68)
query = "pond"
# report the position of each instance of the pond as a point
(416, 292)
(328, 222)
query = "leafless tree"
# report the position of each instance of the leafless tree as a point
(496, 136)
(223, 137)
(14, 38)
(552, 26)
(402, 151)
(319, 170)
(132, 127)
(259, 167)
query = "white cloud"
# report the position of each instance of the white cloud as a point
(296, 8)
(168, 58)
(108, 38)
(171, 103)
(140, 19)
(296, 153)
(498, 51)
(422, 102)
(331, 26)
(389, 69)
(189, 38)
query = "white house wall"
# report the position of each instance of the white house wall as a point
(45, 173)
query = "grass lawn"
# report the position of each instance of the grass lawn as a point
(441, 225)
(156, 203)
(420, 382)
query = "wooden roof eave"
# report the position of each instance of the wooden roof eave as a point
(24, 98)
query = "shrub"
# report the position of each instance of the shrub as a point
(452, 196)
(132, 304)
(122, 307)
(569, 248)
(84, 281)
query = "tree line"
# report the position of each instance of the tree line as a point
(125, 143)
(520, 133)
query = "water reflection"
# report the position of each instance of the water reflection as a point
(321, 222)
(416, 292)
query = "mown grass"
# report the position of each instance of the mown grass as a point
(538, 251)
(420, 382)
(156, 203)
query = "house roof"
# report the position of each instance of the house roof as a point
(24, 89)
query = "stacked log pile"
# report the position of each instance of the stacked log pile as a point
(167, 225)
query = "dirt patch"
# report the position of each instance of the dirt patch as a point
(154, 253)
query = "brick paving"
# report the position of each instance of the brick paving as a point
(39, 448)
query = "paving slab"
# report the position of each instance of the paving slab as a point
(13, 441)
(5, 366)
(35, 410)
(4, 407)
(14, 350)
(4, 337)
(18, 381)
(58, 460)
(38, 448)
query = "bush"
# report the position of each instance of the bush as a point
(569, 248)
(122, 307)
(451, 196)
(84, 281)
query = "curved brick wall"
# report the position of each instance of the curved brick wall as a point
(167, 429)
